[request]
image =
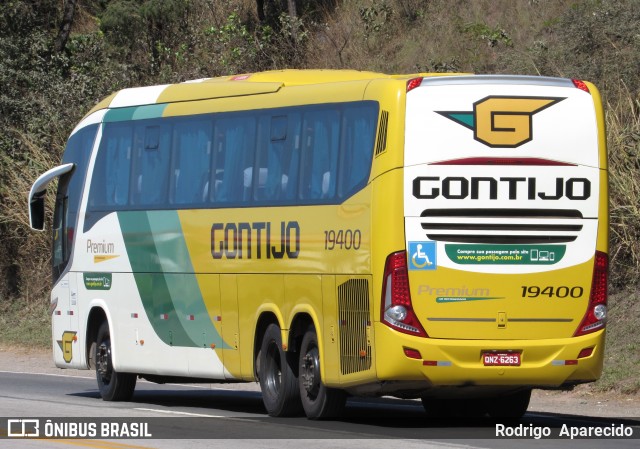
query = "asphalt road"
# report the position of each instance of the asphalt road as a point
(206, 416)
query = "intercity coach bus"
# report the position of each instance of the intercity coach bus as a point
(336, 233)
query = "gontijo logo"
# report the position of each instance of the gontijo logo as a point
(499, 121)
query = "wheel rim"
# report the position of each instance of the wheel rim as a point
(273, 369)
(310, 372)
(103, 362)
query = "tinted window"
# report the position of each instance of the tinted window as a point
(318, 154)
(320, 146)
(192, 161)
(151, 157)
(234, 151)
(358, 135)
(111, 175)
(278, 158)
(77, 151)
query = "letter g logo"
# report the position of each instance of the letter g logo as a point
(499, 121)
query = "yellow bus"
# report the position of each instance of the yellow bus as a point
(335, 233)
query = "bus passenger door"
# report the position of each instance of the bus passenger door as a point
(78, 357)
(65, 314)
(61, 332)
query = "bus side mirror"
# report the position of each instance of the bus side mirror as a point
(38, 191)
(36, 211)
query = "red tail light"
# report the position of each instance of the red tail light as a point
(581, 85)
(596, 316)
(397, 311)
(413, 83)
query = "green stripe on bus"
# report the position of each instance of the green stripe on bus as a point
(134, 113)
(173, 256)
(150, 280)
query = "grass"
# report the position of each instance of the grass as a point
(622, 349)
(25, 324)
(623, 133)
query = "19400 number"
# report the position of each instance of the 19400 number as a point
(533, 291)
(342, 239)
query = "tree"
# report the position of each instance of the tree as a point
(65, 25)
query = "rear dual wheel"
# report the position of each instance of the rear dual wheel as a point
(277, 375)
(291, 381)
(318, 401)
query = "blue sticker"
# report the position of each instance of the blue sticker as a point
(422, 256)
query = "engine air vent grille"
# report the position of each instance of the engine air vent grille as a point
(354, 320)
(381, 144)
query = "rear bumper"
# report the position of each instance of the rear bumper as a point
(544, 363)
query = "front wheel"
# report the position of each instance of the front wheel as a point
(113, 386)
(318, 401)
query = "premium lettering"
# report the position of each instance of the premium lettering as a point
(102, 247)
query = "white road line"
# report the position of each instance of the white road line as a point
(173, 412)
(47, 374)
(92, 377)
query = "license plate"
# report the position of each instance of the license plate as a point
(501, 358)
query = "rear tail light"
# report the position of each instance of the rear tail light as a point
(581, 85)
(413, 83)
(397, 311)
(596, 316)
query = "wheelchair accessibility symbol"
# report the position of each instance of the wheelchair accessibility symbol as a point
(422, 255)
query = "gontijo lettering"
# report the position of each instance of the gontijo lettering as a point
(459, 188)
(254, 240)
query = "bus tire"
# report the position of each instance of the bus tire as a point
(277, 375)
(510, 406)
(113, 386)
(318, 401)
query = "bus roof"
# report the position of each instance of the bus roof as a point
(240, 85)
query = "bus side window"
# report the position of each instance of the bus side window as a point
(358, 136)
(320, 154)
(151, 165)
(110, 183)
(274, 155)
(291, 161)
(234, 150)
(190, 180)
